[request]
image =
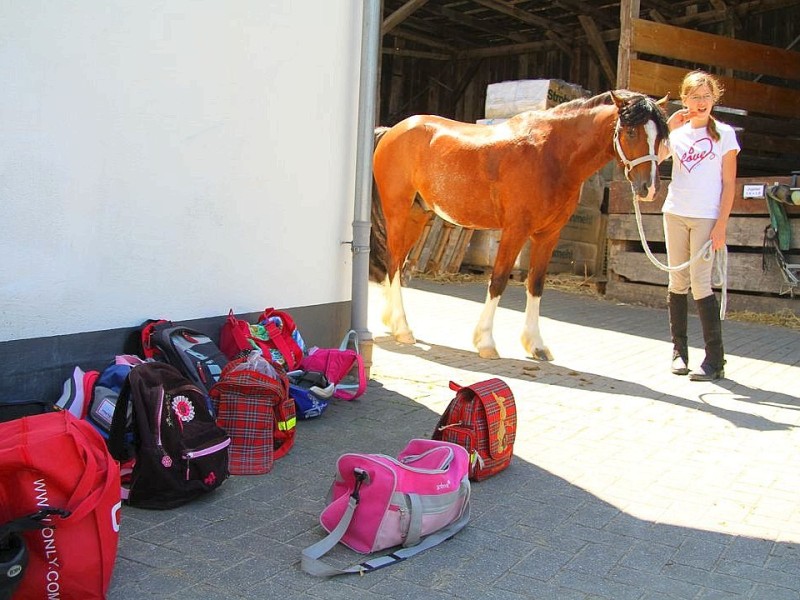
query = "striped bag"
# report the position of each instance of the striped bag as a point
(483, 419)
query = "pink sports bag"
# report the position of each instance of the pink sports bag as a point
(417, 500)
(342, 366)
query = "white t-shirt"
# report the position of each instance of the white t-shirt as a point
(696, 186)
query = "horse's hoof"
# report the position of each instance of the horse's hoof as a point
(542, 354)
(405, 338)
(489, 353)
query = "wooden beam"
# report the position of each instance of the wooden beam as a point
(416, 54)
(400, 15)
(583, 8)
(705, 48)
(523, 15)
(507, 50)
(599, 47)
(424, 40)
(628, 11)
(481, 25)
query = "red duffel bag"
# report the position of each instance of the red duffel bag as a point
(58, 461)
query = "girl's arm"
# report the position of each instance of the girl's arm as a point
(726, 201)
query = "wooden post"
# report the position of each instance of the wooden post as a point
(628, 10)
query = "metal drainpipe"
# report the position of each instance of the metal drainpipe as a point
(370, 48)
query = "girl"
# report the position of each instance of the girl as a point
(697, 207)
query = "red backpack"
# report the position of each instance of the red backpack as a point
(483, 419)
(275, 334)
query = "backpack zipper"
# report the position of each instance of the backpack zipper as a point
(188, 456)
(166, 459)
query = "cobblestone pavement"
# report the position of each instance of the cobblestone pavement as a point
(628, 482)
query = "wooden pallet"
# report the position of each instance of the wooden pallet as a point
(439, 250)
(633, 278)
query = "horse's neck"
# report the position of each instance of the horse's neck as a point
(591, 144)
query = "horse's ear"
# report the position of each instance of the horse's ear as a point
(663, 101)
(617, 99)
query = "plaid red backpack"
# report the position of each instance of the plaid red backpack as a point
(483, 419)
(252, 403)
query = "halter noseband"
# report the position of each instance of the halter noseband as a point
(630, 164)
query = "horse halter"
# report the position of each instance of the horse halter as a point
(626, 163)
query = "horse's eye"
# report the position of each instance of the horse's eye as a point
(632, 132)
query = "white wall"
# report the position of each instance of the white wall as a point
(173, 159)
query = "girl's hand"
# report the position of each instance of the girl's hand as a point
(680, 117)
(718, 236)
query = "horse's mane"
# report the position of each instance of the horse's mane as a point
(636, 109)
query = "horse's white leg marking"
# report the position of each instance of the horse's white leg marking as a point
(394, 315)
(531, 337)
(482, 338)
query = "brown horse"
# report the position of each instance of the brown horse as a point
(522, 176)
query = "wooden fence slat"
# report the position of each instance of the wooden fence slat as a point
(658, 80)
(741, 231)
(692, 46)
(620, 199)
(744, 271)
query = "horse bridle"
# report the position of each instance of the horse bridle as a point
(626, 163)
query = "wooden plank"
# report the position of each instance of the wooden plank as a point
(656, 296)
(628, 11)
(745, 273)
(434, 265)
(412, 262)
(709, 49)
(745, 232)
(458, 254)
(657, 80)
(620, 199)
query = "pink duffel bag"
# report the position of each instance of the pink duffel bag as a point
(342, 366)
(417, 500)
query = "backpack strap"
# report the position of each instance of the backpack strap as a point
(118, 446)
(283, 340)
(311, 557)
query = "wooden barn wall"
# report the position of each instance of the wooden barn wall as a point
(457, 88)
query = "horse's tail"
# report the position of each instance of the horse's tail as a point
(377, 235)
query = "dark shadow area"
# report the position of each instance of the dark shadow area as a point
(751, 340)
(532, 534)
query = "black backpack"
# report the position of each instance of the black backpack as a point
(192, 352)
(180, 452)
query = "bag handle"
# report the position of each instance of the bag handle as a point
(346, 391)
(241, 340)
(350, 335)
(311, 561)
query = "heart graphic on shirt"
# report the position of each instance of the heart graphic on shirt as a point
(697, 153)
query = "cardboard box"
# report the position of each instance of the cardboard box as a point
(508, 98)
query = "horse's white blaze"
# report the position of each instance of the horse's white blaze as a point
(652, 136)
(482, 338)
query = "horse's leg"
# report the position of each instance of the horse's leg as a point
(541, 251)
(401, 234)
(507, 252)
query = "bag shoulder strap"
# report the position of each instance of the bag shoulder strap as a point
(313, 564)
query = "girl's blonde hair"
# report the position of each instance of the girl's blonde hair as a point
(694, 80)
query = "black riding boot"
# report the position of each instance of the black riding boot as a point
(713, 365)
(677, 304)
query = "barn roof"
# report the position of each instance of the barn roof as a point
(447, 29)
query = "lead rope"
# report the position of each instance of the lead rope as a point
(719, 276)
